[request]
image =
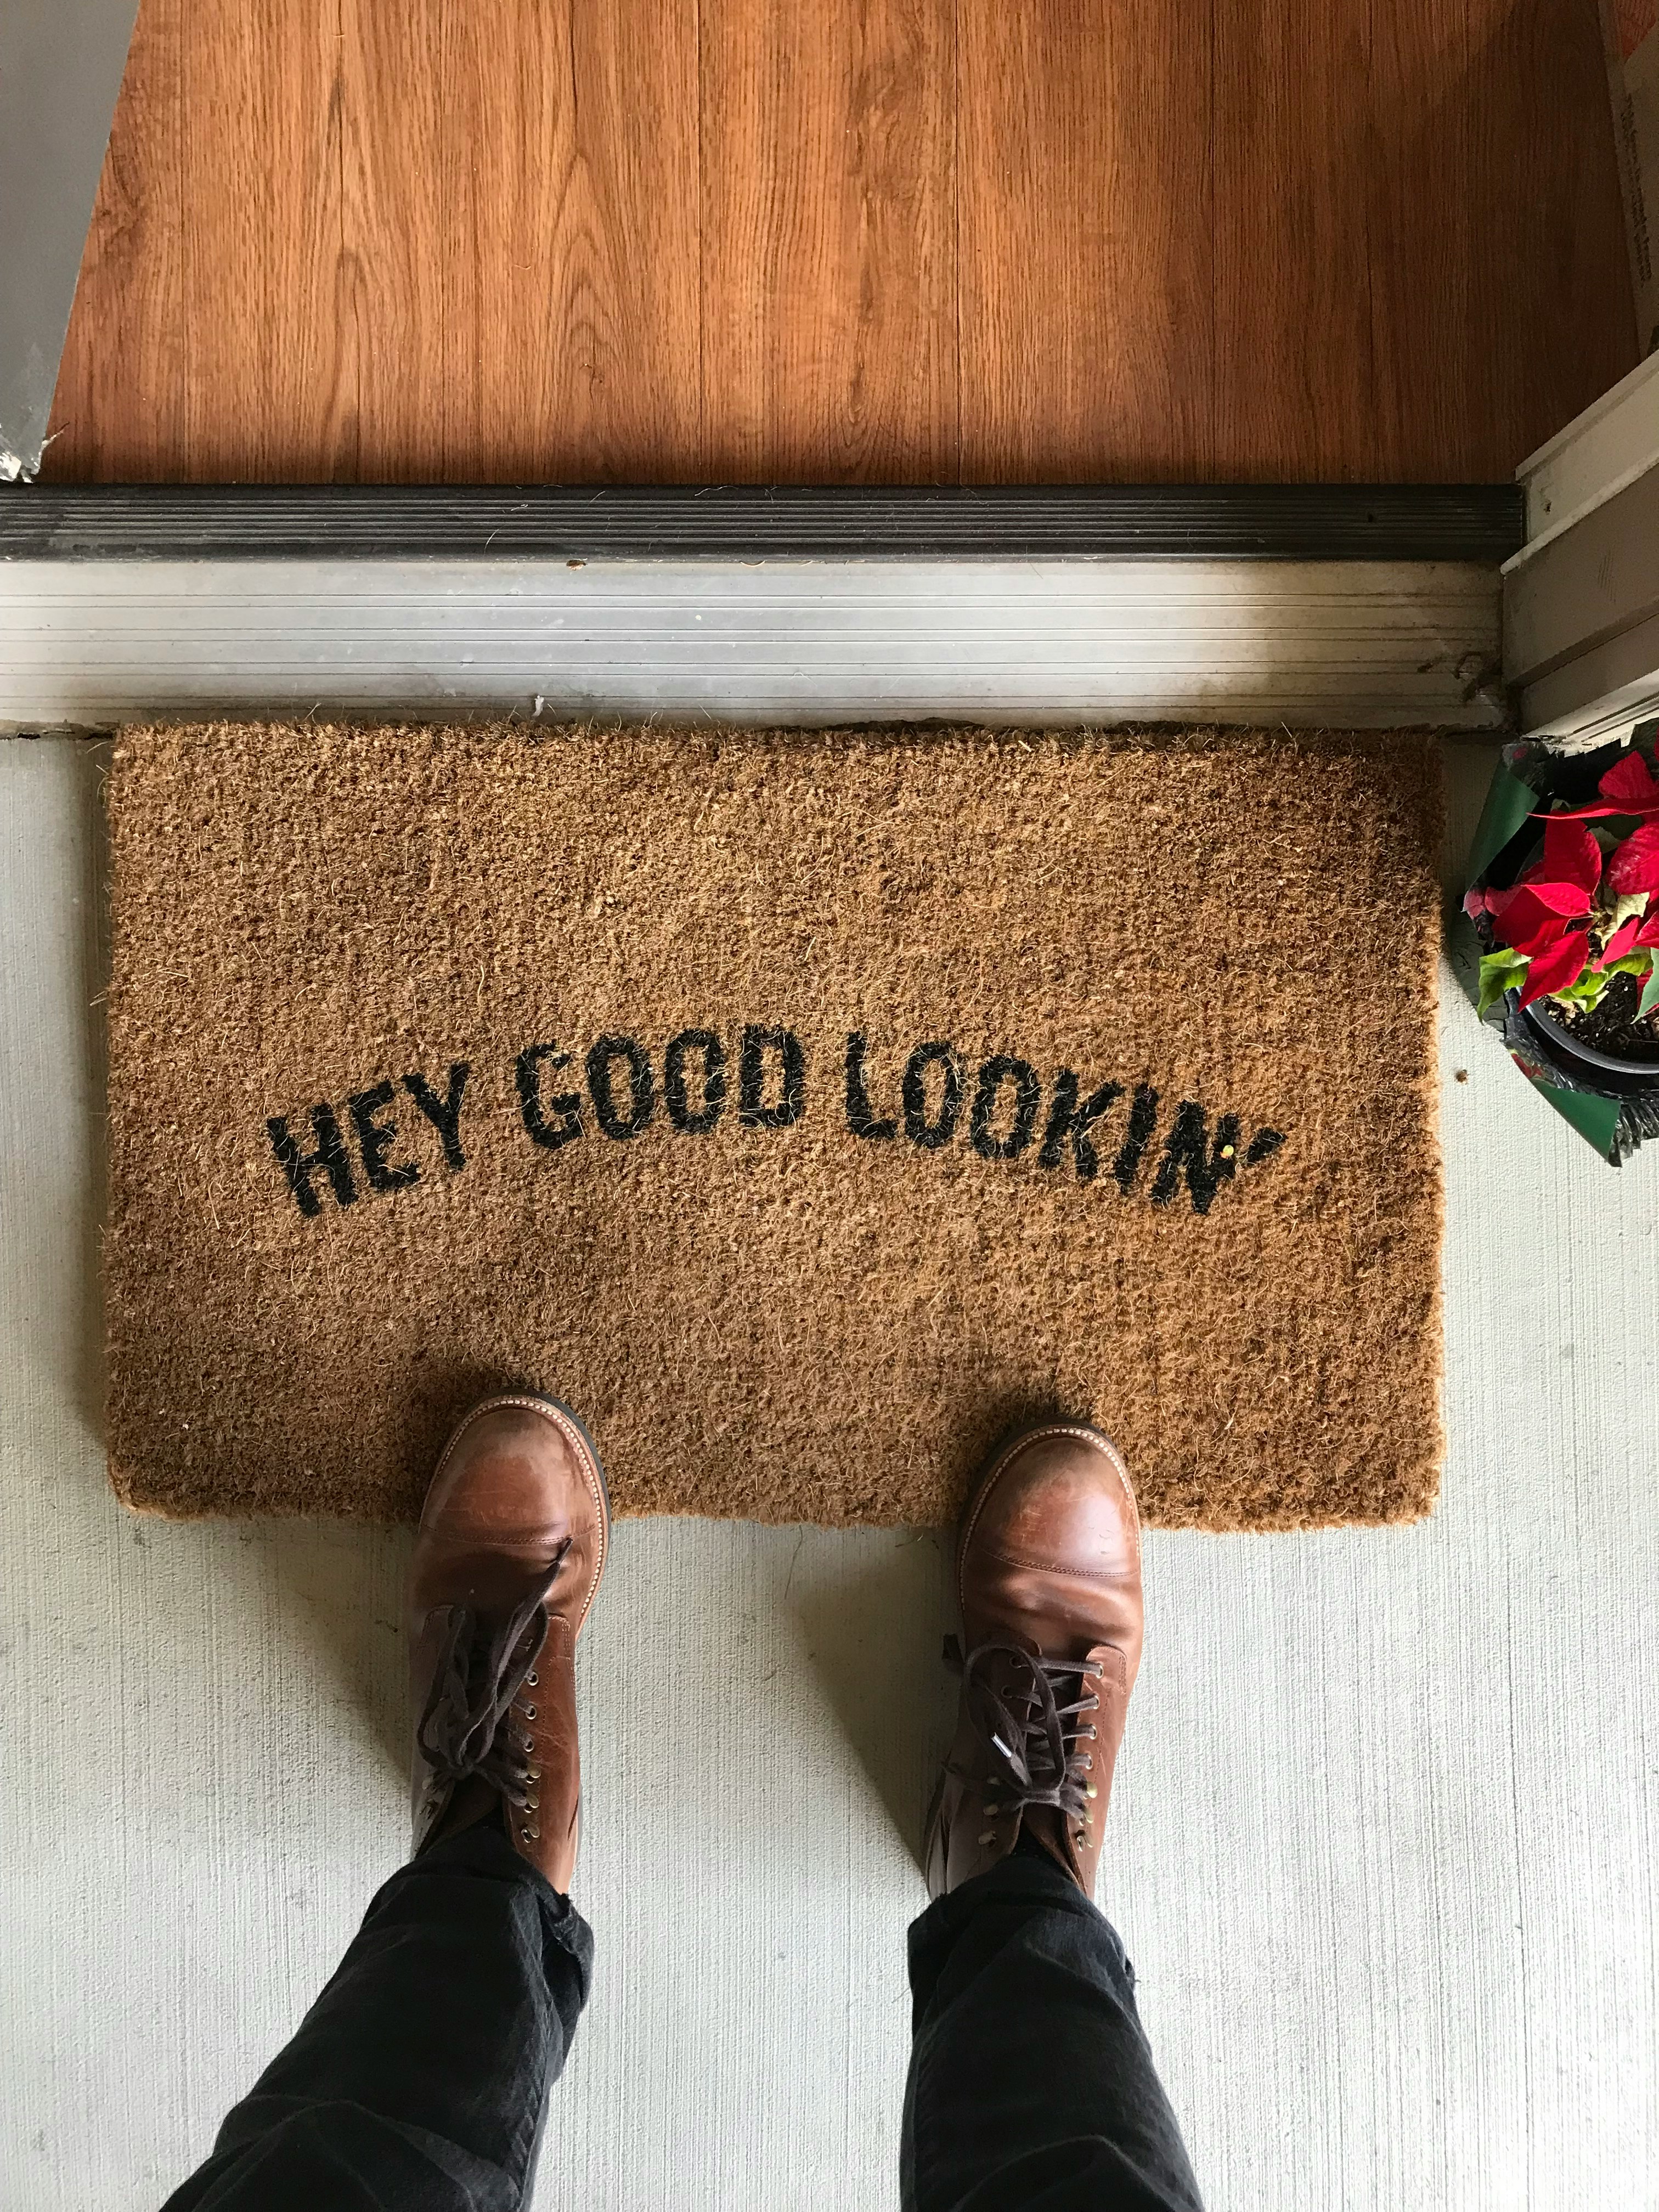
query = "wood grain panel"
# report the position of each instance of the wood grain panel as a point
(568, 230)
(1499, 288)
(874, 240)
(1084, 196)
(119, 406)
(1295, 382)
(418, 242)
(1419, 261)
(828, 268)
(203, 342)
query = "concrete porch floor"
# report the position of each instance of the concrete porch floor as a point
(1382, 1846)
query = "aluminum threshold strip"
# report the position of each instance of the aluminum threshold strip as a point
(1242, 522)
(1358, 644)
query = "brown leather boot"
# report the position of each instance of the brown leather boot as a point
(512, 1542)
(1049, 1575)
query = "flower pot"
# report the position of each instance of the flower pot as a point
(1600, 1071)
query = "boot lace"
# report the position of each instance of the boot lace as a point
(1014, 1698)
(478, 1676)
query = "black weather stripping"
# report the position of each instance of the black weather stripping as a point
(332, 522)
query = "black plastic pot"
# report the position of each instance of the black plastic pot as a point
(1597, 1071)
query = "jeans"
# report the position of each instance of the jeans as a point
(419, 2081)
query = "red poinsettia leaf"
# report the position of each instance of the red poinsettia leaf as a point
(1634, 865)
(1555, 967)
(1549, 890)
(1601, 812)
(1648, 933)
(1629, 787)
(1571, 856)
(1630, 781)
(1474, 904)
(1520, 919)
(1621, 941)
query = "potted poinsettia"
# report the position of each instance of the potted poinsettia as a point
(1573, 942)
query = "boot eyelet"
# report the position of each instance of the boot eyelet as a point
(529, 1834)
(533, 1679)
(533, 1802)
(530, 1712)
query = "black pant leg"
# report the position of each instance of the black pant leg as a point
(1032, 2087)
(418, 2080)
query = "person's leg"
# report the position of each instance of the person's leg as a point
(418, 2080)
(1032, 2088)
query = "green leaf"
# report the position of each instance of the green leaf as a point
(1587, 992)
(1650, 998)
(1499, 972)
(1626, 904)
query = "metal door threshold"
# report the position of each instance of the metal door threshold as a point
(1304, 605)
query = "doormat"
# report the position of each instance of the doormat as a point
(807, 1109)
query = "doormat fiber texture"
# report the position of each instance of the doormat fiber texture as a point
(805, 1109)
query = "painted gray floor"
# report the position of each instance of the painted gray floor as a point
(1383, 1847)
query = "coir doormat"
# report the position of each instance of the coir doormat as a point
(805, 1109)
